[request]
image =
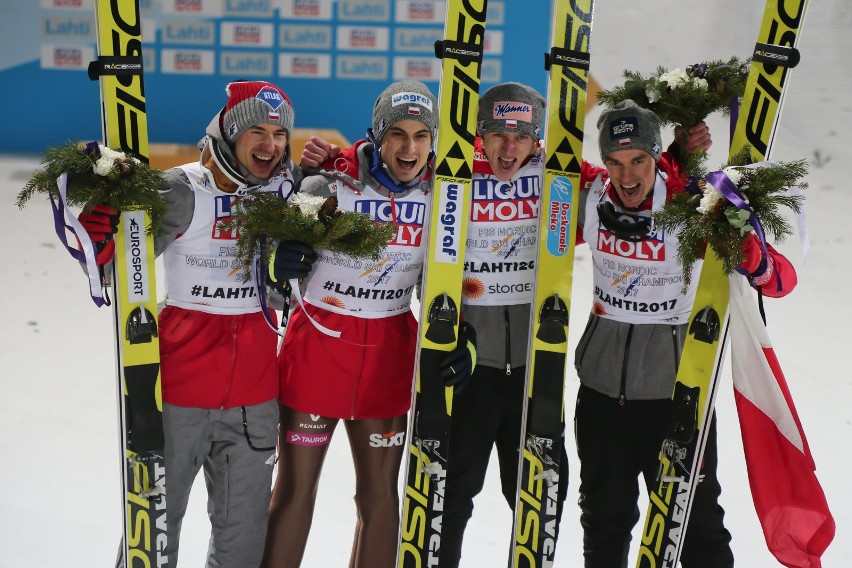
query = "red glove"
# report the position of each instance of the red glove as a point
(753, 254)
(101, 223)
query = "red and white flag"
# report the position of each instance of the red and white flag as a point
(788, 498)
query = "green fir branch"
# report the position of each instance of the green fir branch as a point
(722, 228)
(128, 185)
(265, 217)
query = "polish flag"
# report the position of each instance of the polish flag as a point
(789, 501)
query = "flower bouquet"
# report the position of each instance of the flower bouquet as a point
(740, 199)
(96, 174)
(263, 218)
(684, 98)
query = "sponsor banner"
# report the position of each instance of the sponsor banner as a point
(491, 71)
(308, 65)
(246, 63)
(421, 12)
(249, 8)
(493, 42)
(416, 68)
(149, 60)
(190, 61)
(206, 8)
(360, 67)
(306, 9)
(304, 37)
(417, 39)
(191, 32)
(82, 5)
(76, 57)
(68, 28)
(496, 13)
(363, 38)
(449, 239)
(246, 34)
(363, 10)
(138, 279)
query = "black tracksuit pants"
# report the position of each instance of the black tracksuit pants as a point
(615, 444)
(486, 413)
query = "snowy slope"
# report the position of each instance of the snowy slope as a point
(59, 482)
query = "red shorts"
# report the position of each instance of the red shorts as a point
(216, 361)
(365, 373)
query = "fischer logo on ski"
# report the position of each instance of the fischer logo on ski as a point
(119, 70)
(704, 349)
(429, 427)
(537, 496)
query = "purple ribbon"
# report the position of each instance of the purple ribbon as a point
(732, 193)
(85, 256)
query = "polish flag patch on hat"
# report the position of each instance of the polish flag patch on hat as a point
(511, 124)
(415, 110)
(624, 142)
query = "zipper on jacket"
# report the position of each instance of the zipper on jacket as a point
(622, 396)
(508, 341)
(675, 349)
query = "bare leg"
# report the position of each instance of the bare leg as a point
(303, 444)
(377, 446)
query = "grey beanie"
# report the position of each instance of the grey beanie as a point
(255, 102)
(627, 126)
(511, 107)
(401, 101)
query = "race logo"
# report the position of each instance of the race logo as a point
(499, 202)
(408, 217)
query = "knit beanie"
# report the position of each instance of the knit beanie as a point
(511, 107)
(401, 101)
(255, 102)
(626, 126)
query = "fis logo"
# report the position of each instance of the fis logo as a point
(389, 440)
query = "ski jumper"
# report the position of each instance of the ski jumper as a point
(496, 300)
(218, 366)
(364, 377)
(627, 361)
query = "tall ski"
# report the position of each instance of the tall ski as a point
(534, 530)
(429, 427)
(704, 350)
(125, 128)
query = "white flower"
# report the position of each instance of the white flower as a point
(709, 200)
(653, 91)
(106, 162)
(675, 78)
(700, 83)
(309, 205)
(733, 174)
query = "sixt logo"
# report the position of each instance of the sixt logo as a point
(389, 440)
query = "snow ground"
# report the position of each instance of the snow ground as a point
(59, 480)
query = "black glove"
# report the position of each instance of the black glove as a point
(289, 260)
(458, 365)
(101, 223)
